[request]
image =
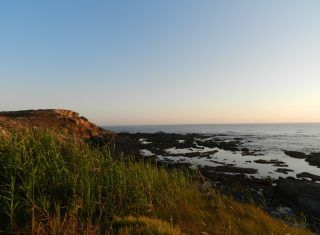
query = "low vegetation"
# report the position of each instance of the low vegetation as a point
(54, 186)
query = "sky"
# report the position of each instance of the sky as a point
(124, 62)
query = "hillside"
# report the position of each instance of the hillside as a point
(60, 120)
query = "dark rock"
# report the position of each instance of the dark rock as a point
(242, 187)
(225, 145)
(295, 154)
(178, 165)
(208, 154)
(191, 155)
(314, 159)
(217, 162)
(305, 195)
(231, 145)
(245, 150)
(284, 170)
(274, 162)
(231, 169)
(211, 152)
(309, 175)
(290, 177)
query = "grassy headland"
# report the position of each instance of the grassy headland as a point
(54, 186)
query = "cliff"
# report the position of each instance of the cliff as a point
(59, 120)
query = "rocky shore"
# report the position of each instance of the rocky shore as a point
(280, 196)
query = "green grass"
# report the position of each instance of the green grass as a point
(54, 186)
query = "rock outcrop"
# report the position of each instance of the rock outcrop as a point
(64, 122)
(312, 158)
(295, 154)
(302, 194)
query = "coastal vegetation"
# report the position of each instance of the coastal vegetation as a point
(50, 185)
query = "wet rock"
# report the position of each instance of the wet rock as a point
(231, 145)
(230, 164)
(231, 169)
(167, 159)
(280, 164)
(301, 194)
(309, 175)
(210, 152)
(242, 187)
(161, 141)
(207, 154)
(295, 154)
(179, 165)
(208, 143)
(190, 155)
(247, 152)
(274, 162)
(282, 212)
(284, 170)
(217, 162)
(225, 145)
(290, 178)
(314, 159)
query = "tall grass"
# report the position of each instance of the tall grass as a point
(54, 186)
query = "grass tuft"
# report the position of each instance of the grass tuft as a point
(143, 225)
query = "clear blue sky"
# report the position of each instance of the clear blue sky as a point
(160, 62)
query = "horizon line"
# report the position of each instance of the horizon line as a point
(204, 124)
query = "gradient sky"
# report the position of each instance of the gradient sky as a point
(161, 62)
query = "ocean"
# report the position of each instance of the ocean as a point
(269, 139)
